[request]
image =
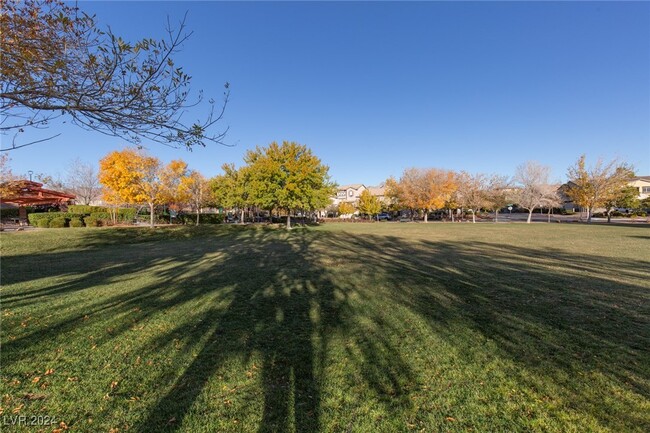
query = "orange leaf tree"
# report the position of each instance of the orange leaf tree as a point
(133, 177)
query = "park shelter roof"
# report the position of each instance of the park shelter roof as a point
(28, 193)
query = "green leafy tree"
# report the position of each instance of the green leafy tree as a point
(627, 197)
(232, 189)
(345, 208)
(288, 176)
(368, 204)
(56, 61)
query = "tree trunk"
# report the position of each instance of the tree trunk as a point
(609, 216)
(426, 216)
(549, 214)
(151, 208)
(241, 218)
(530, 215)
(589, 214)
(288, 220)
(496, 216)
(473, 217)
(198, 214)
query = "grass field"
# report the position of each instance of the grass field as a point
(345, 327)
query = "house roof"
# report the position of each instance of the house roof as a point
(377, 190)
(644, 178)
(351, 186)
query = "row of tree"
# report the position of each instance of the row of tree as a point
(434, 189)
(288, 177)
(603, 185)
(278, 177)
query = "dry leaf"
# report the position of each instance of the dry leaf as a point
(450, 419)
(36, 379)
(17, 409)
(31, 396)
(49, 371)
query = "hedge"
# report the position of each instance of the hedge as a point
(92, 221)
(58, 222)
(85, 209)
(123, 215)
(204, 218)
(33, 218)
(76, 222)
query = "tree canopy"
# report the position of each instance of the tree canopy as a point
(598, 185)
(56, 61)
(369, 204)
(288, 176)
(133, 177)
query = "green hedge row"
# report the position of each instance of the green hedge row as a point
(34, 218)
(204, 218)
(123, 215)
(86, 210)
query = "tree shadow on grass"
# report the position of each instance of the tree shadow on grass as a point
(281, 297)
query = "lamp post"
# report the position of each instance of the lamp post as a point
(30, 172)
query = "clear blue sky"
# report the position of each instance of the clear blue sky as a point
(374, 88)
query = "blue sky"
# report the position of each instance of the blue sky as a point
(374, 87)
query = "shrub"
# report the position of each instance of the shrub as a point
(204, 218)
(76, 222)
(34, 218)
(92, 221)
(42, 223)
(58, 222)
(85, 210)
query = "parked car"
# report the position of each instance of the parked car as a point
(384, 216)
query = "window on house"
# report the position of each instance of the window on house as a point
(351, 193)
(645, 190)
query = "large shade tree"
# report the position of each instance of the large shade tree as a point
(56, 61)
(133, 177)
(288, 176)
(597, 185)
(423, 189)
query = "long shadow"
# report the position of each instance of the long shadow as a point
(286, 295)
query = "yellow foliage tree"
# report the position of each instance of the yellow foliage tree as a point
(133, 177)
(423, 189)
(345, 208)
(369, 204)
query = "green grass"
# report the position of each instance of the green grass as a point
(351, 327)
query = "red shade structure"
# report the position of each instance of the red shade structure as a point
(27, 193)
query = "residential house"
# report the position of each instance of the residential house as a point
(348, 193)
(642, 183)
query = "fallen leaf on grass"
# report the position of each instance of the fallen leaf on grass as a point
(17, 408)
(32, 396)
(36, 379)
(450, 419)
(49, 371)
